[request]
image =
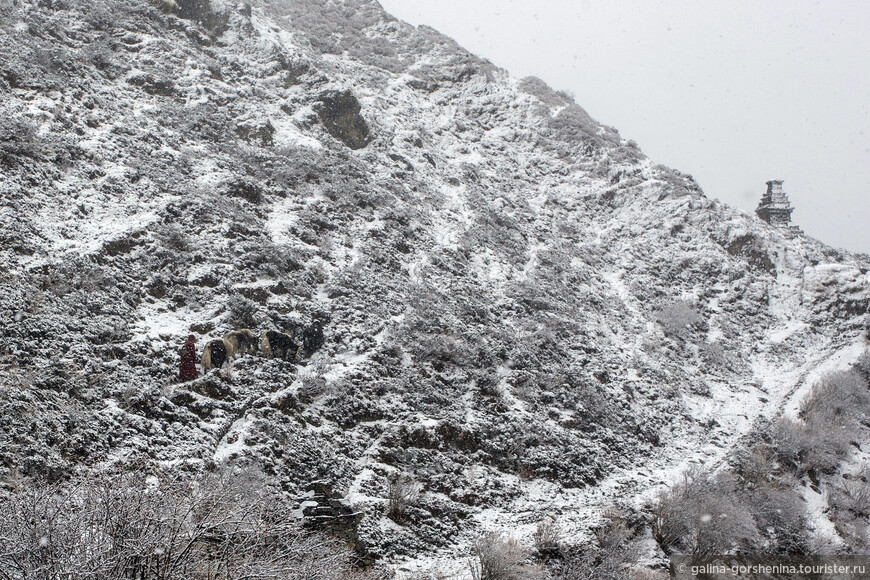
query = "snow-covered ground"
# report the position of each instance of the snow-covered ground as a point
(491, 269)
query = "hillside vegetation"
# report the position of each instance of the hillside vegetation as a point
(524, 317)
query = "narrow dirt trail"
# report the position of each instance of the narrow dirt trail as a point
(574, 510)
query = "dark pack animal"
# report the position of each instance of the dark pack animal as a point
(240, 342)
(312, 338)
(279, 344)
(214, 355)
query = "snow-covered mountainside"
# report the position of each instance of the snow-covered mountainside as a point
(522, 313)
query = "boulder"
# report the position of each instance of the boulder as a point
(340, 113)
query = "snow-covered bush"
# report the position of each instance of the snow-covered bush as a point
(679, 318)
(703, 514)
(611, 556)
(500, 558)
(242, 312)
(837, 399)
(161, 527)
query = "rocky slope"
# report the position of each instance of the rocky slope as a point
(522, 312)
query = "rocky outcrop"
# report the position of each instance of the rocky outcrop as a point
(201, 11)
(340, 113)
(325, 510)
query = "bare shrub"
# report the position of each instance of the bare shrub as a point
(612, 556)
(160, 527)
(809, 447)
(838, 398)
(227, 371)
(404, 492)
(790, 440)
(246, 189)
(434, 574)
(713, 355)
(862, 365)
(440, 350)
(679, 318)
(703, 515)
(757, 465)
(18, 138)
(548, 539)
(488, 383)
(168, 5)
(852, 496)
(780, 517)
(274, 260)
(99, 16)
(312, 387)
(849, 508)
(499, 558)
(538, 88)
(854, 533)
(639, 573)
(827, 446)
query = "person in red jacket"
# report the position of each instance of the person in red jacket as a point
(187, 371)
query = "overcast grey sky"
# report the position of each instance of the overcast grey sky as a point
(735, 92)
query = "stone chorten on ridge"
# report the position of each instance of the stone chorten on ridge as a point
(774, 207)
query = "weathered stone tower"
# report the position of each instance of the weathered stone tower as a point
(774, 207)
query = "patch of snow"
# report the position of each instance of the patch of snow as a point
(209, 175)
(237, 433)
(281, 218)
(156, 321)
(288, 134)
(822, 529)
(842, 359)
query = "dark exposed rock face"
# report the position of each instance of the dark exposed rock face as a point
(750, 248)
(200, 11)
(326, 510)
(340, 113)
(312, 338)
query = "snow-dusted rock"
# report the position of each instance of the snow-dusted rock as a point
(491, 266)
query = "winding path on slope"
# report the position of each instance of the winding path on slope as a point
(575, 510)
